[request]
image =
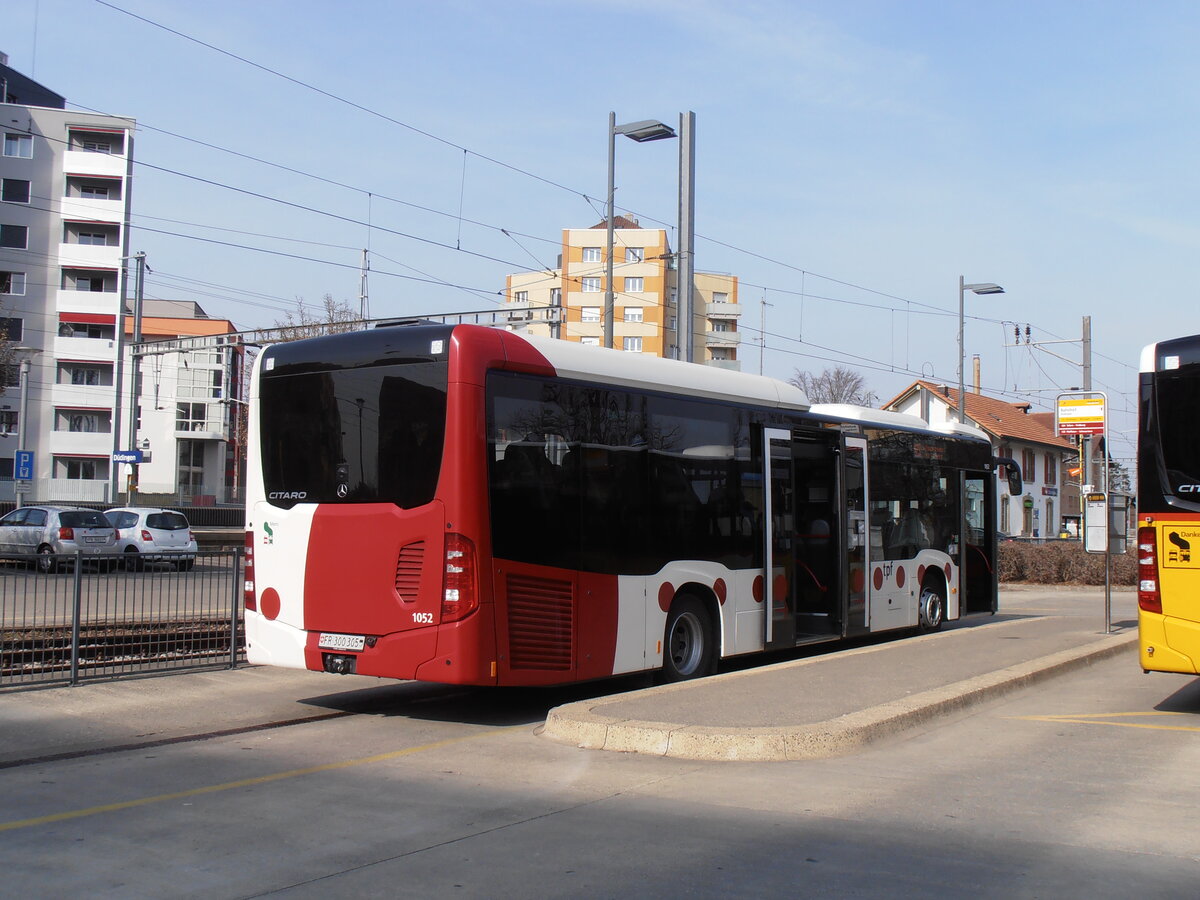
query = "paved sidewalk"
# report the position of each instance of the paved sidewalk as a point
(834, 703)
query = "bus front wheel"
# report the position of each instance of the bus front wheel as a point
(689, 646)
(932, 610)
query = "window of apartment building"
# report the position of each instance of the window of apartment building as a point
(18, 145)
(80, 469)
(635, 285)
(633, 314)
(590, 341)
(190, 472)
(1050, 527)
(591, 254)
(93, 283)
(87, 187)
(197, 417)
(94, 191)
(14, 190)
(84, 374)
(14, 237)
(635, 254)
(632, 344)
(96, 331)
(673, 296)
(521, 297)
(12, 283)
(8, 421)
(673, 322)
(1004, 515)
(12, 329)
(1050, 468)
(589, 314)
(10, 374)
(590, 285)
(6, 468)
(200, 384)
(83, 421)
(96, 142)
(722, 327)
(1028, 464)
(556, 296)
(95, 236)
(720, 297)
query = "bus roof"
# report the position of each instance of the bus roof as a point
(574, 360)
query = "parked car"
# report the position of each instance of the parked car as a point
(50, 530)
(148, 534)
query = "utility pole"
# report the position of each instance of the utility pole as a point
(685, 273)
(134, 370)
(1086, 441)
(762, 338)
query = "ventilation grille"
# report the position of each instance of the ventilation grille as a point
(408, 571)
(541, 623)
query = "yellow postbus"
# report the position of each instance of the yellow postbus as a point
(1168, 466)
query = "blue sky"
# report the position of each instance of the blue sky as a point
(852, 160)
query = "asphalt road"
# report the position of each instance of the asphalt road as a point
(1081, 786)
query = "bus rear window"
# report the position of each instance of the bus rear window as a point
(370, 434)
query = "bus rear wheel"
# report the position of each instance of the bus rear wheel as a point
(932, 610)
(689, 644)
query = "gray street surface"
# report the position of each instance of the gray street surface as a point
(257, 782)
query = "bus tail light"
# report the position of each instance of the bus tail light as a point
(460, 594)
(251, 602)
(1149, 598)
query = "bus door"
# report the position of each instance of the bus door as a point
(778, 532)
(820, 534)
(857, 533)
(977, 564)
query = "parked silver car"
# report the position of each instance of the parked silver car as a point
(50, 530)
(148, 534)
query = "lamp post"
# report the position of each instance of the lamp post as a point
(985, 287)
(20, 487)
(643, 131)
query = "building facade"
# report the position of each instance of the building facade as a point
(645, 305)
(1049, 504)
(65, 189)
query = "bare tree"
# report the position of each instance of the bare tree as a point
(335, 317)
(836, 385)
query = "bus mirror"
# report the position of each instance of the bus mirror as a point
(1013, 472)
(1014, 480)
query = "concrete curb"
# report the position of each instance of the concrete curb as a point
(584, 724)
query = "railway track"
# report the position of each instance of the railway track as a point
(41, 651)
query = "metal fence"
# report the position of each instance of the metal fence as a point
(96, 617)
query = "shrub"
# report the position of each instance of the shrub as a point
(1060, 562)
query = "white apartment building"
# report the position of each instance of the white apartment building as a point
(64, 214)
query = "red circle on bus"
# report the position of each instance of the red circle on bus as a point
(878, 579)
(666, 593)
(269, 604)
(720, 590)
(949, 571)
(757, 589)
(899, 576)
(921, 574)
(857, 577)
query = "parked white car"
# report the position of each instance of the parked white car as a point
(54, 533)
(147, 534)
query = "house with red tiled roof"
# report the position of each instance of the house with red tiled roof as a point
(1049, 504)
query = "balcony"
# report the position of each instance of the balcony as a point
(731, 365)
(722, 338)
(723, 310)
(91, 396)
(107, 165)
(106, 303)
(96, 210)
(81, 443)
(99, 349)
(89, 256)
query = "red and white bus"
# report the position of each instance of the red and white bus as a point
(468, 505)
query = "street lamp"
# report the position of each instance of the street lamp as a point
(985, 287)
(643, 131)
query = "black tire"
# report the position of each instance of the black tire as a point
(689, 642)
(931, 612)
(46, 562)
(133, 560)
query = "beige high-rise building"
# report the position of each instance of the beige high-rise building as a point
(645, 305)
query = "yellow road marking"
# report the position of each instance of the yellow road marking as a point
(1103, 719)
(244, 782)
